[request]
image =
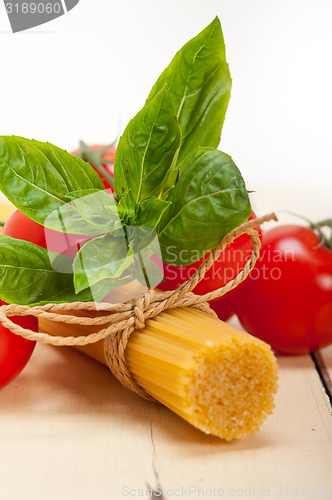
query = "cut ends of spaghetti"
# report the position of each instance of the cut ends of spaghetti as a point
(218, 378)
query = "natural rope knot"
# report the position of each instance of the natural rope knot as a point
(123, 319)
(140, 306)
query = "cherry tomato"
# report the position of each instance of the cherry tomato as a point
(95, 155)
(287, 299)
(224, 306)
(230, 262)
(15, 351)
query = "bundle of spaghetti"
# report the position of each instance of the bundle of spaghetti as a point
(218, 378)
(172, 348)
(213, 375)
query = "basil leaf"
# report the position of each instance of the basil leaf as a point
(146, 149)
(150, 210)
(208, 201)
(91, 212)
(101, 258)
(27, 276)
(98, 209)
(68, 219)
(119, 260)
(36, 176)
(199, 82)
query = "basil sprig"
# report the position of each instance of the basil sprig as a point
(170, 181)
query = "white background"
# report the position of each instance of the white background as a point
(85, 74)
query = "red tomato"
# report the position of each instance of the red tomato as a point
(15, 351)
(230, 262)
(224, 306)
(287, 298)
(92, 155)
(20, 226)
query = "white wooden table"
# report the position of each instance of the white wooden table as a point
(68, 430)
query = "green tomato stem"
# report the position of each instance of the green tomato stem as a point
(95, 159)
(102, 170)
(317, 226)
(327, 241)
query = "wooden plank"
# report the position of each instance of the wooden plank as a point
(69, 430)
(323, 362)
(278, 457)
(327, 358)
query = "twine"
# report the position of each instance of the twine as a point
(116, 322)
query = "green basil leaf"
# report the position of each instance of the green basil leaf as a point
(102, 258)
(146, 149)
(150, 210)
(27, 275)
(199, 82)
(97, 208)
(208, 201)
(68, 219)
(36, 176)
(119, 260)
